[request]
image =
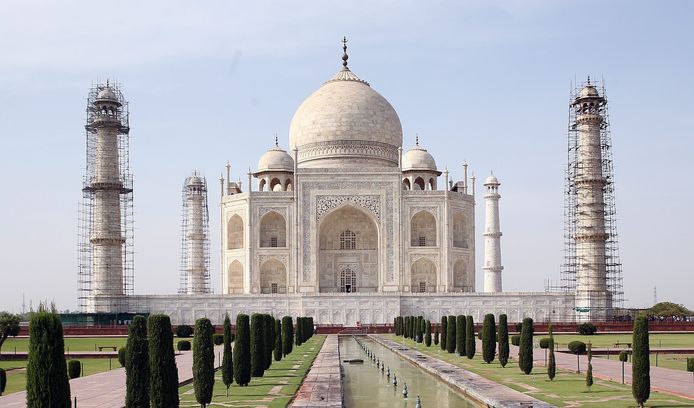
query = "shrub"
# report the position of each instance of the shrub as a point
(137, 364)
(74, 368)
(287, 335)
(228, 357)
(444, 331)
(469, 337)
(623, 356)
(163, 375)
(525, 354)
(515, 339)
(218, 339)
(577, 347)
(544, 343)
(183, 345)
(258, 344)
(278, 340)
(242, 351)
(436, 334)
(3, 381)
(589, 372)
(641, 366)
(587, 329)
(269, 338)
(121, 356)
(479, 333)
(503, 340)
(46, 376)
(427, 333)
(203, 361)
(9, 326)
(450, 336)
(460, 335)
(488, 338)
(690, 364)
(518, 327)
(299, 331)
(552, 364)
(184, 331)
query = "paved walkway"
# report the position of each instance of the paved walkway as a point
(107, 389)
(322, 386)
(470, 384)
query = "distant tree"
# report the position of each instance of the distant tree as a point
(551, 364)
(488, 338)
(587, 329)
(589, 372)
(460, 333)
(242, 351)
(183, 345)
(137, 364)
(669, 309)
(278, 340)
(9, 326)
(73, 369)
(258, 345)
(503, 340)
(203, 361)
(47, 383)
(450, 336)
(228, 356)
(163, 374)
(525, 354)
(287, 335)
(641, 365)
(436, 334)
(470, 337)
(427, 334)
(269, 339)
(444, 332)
(3, 381)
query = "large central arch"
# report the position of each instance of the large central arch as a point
(348, 244)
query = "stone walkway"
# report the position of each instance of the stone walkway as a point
(322, 386)
(470, 384)
(106, 389)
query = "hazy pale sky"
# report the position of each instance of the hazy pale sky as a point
(482, 81)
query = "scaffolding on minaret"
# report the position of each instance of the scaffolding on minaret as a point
(105, 220)
(195, 242)
(613, 265)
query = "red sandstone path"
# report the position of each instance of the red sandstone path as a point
(676, 382)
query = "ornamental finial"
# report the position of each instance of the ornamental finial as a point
(416, 140)
(345, 57)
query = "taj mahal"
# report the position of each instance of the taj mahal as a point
(346, 225)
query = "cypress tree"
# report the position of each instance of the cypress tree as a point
(427, 334)
(407, 327)
(641, 365)
(470, 344)
(3, 381)
(503, 340)
(257, 345)
(278, 340)
(269, 338)
(420, 326)
(227, 359)
(137, 365)
(242, 351)
(488, 338)
(460, 335)
(525, 353)
(551, 364)
(436, 334)
(203, 361)
(287, 335)
(163, 375)
(589, 372)
(46, 376)
(450, 336)
(299, 331)
(444, 331)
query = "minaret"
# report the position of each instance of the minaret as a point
(492, 237)
(592, 298)
(195, 257)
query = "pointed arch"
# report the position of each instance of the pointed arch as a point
(235, 232)
(423, 229)
(275, 184)
(273, 277)
(460, 234)
(423, 276)
(419, 184)
(273, 230)
(261, 185)
(235, 278)
(406, 184)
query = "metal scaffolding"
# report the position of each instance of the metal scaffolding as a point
(195, 242)
(105, 221)
(613, 266)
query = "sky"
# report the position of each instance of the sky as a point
(214, 81)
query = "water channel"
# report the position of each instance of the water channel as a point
(368, 386)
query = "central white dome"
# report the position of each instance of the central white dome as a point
(346, 123)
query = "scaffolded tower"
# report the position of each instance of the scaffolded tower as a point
(592, 268)
(195, 244)
(106, 211)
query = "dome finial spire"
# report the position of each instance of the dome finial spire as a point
(277, 143)
(588, 79)
(345, 57)
(416, 139)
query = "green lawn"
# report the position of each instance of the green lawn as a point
(609, 340)
(674, 361)
(275, 389)
(567, 390)
(16, 371)
(71, 343)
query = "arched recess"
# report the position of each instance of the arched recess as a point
(460, 236)
(460, 276)
(235, 278)
(423, 276)
(261, 185)
(348, 240)
(235, 232)
(432, 184)
(273, 230)
(406, 184)
(423, 229)
(273, 277)
(288, 186)
(275, 185)
(419, 184)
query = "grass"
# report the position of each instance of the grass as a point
(567, 390)
(274, 390)
(608, 340)
(71, 343)
(673, 361)
(16, 371)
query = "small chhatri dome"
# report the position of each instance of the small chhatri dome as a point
(276, 159)
(107, 94)
(491, 180)
(194, 180)
(418, 159)
(589, 91)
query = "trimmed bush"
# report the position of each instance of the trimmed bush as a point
(515, 339)
(587, 329)
(503, 340)
(623, 356)
(218, 339)
(469, 337)
(3, 381)
(74, 369)
(436, 334)
(460, 335)
(450, 336)
(121, 356)
(690, 364)
(242, 351)
(183, 345)
(184, 331)
(525, 354)
(269, 338)
(163, 374)
(488, 338)
(427, 333)
(47, 383)
(444, 331)
(518, 327)
(278, 340)
(137, 364)
(589, 372)
(544, 343)
(420, 329)
(203, 361)
(641, 365)
(577, 347)
(551, 364)
(287, 335)
(228, 356)
(258, 344)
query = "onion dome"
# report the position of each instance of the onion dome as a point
(491, 180)
(276, 159)
(418, 159)
(107, 94)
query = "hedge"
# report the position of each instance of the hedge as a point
(183, 345)
(577, 347)
(218, 339)
(74, 369)
(184, 330)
